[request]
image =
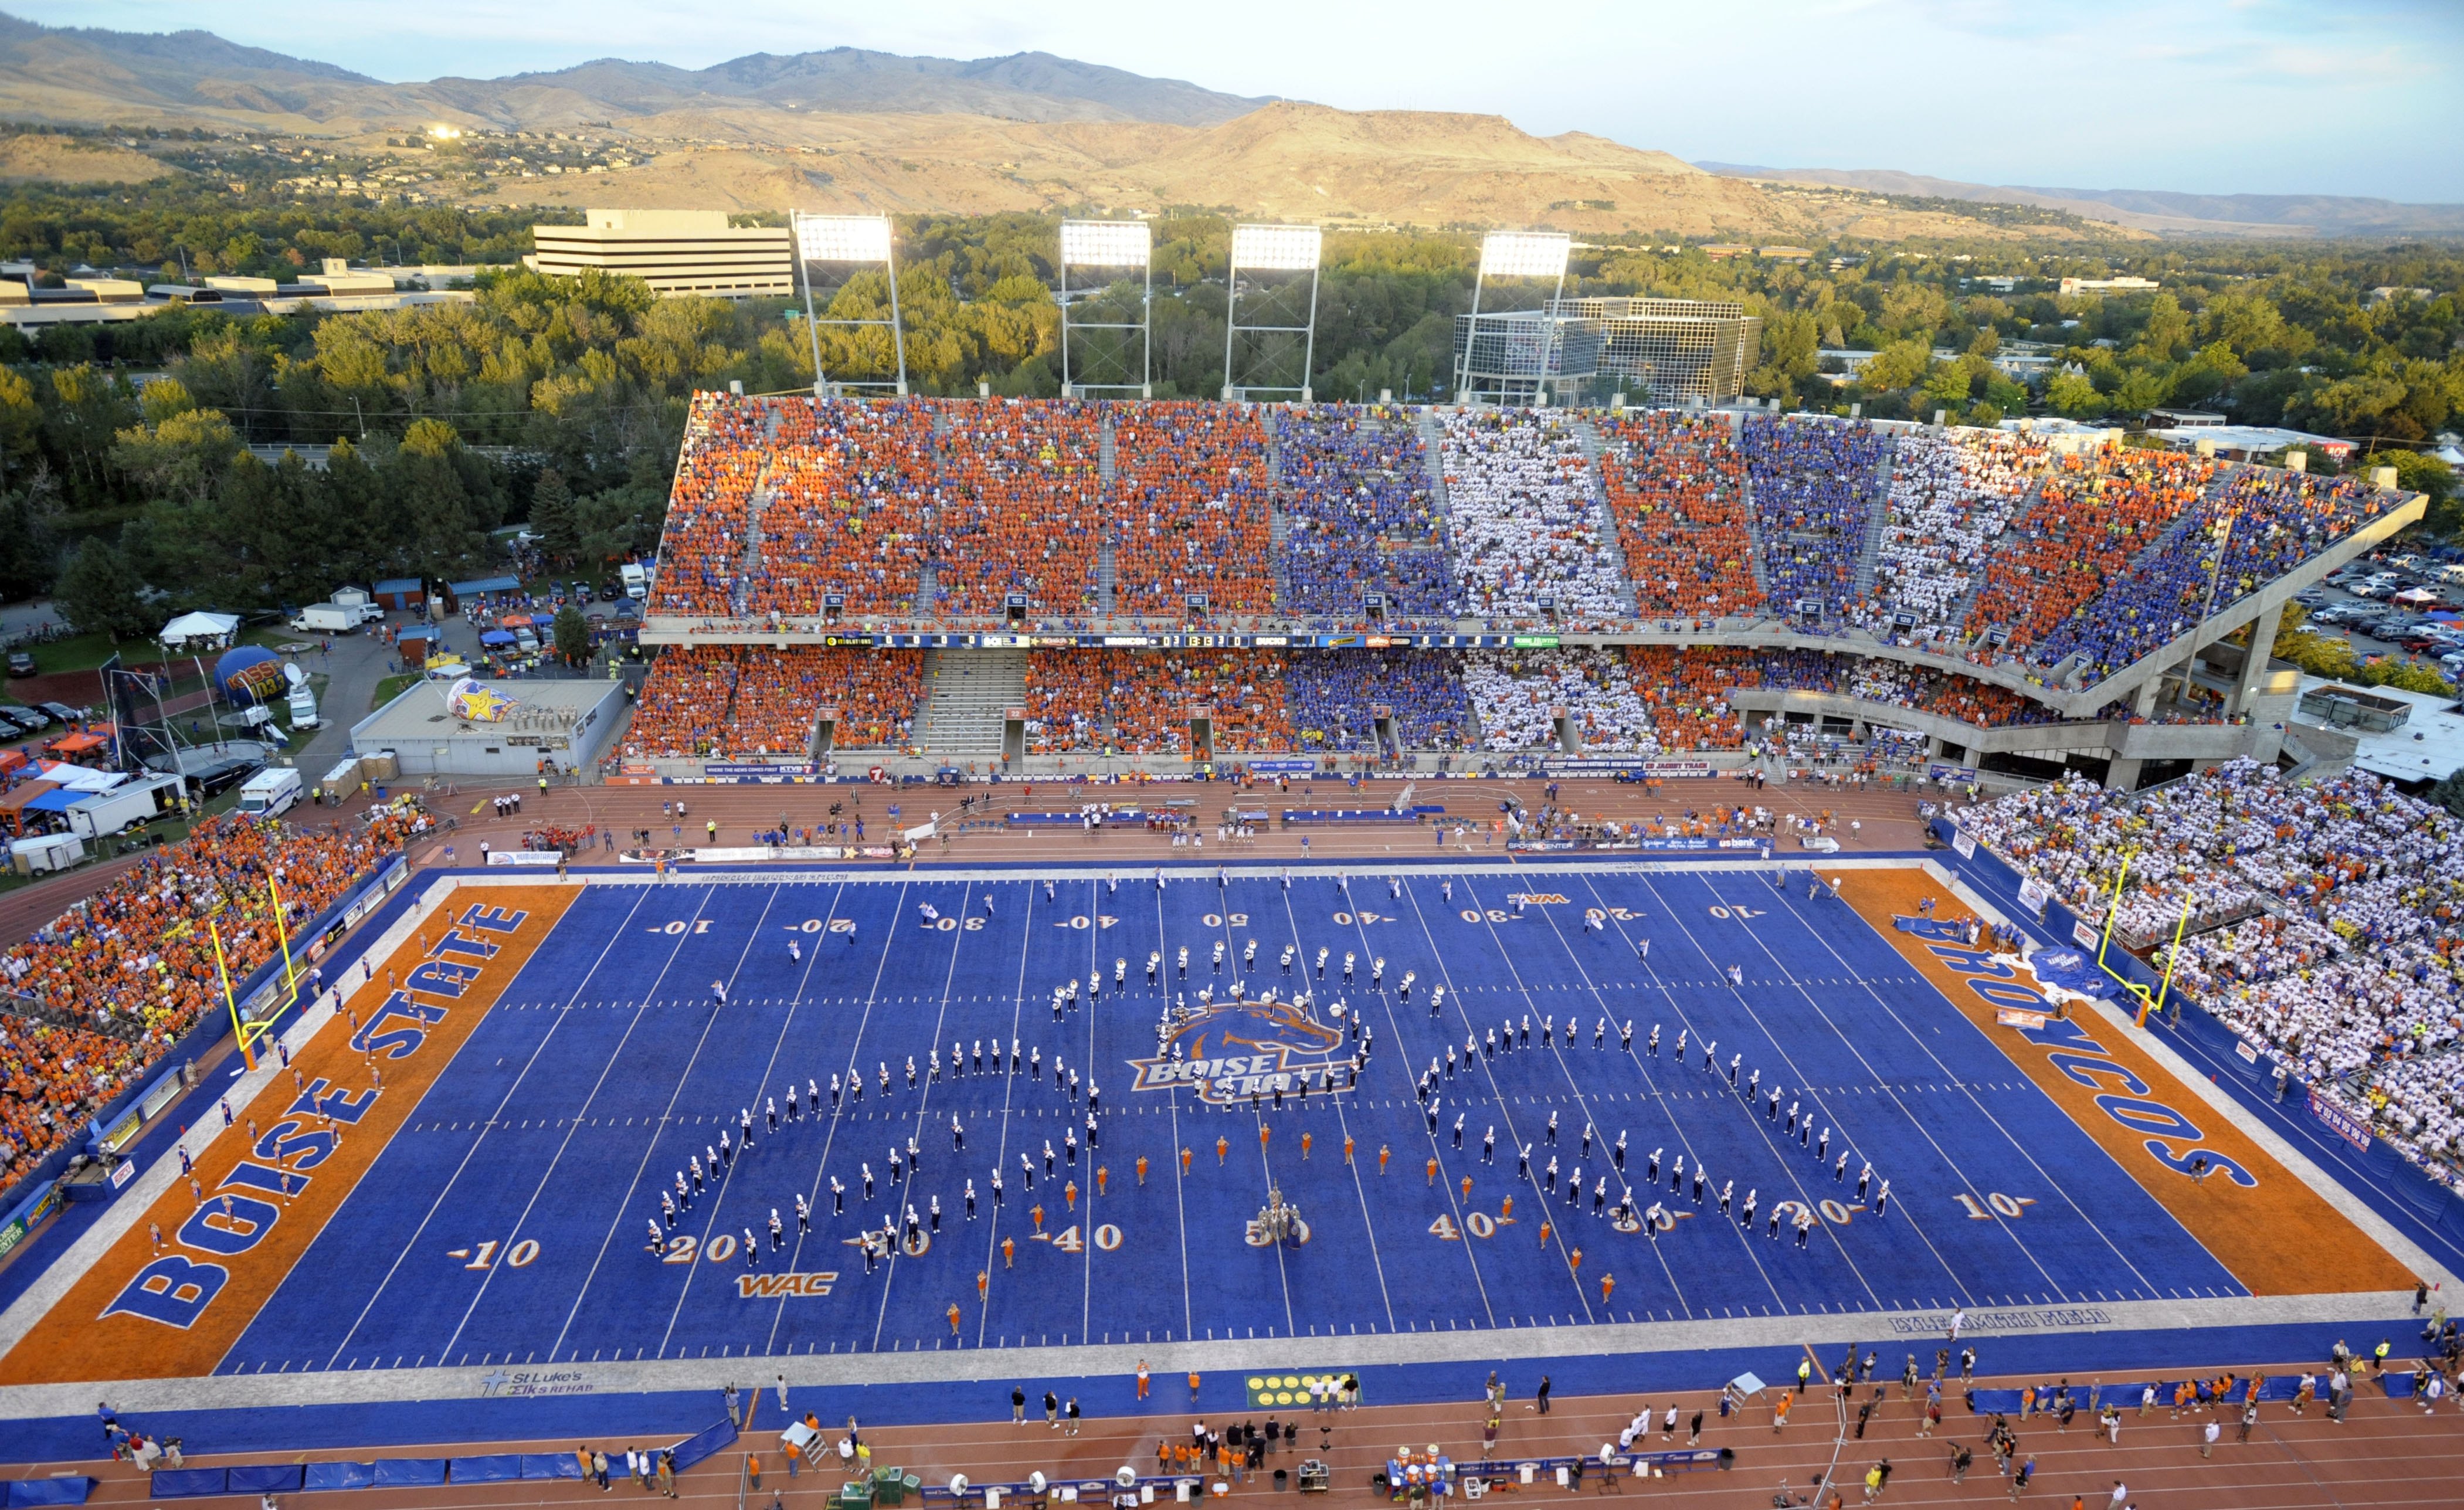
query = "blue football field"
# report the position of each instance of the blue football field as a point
(508, 1222)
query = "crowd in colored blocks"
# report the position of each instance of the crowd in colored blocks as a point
(1020, 509)
(849, 484)
(1192, 509)
(1981, 543)
(1335, 695)
(1950, 498)
(2095, 513)
(709, 510)
(1675, 487)
(109, 985)
(1524, 520)
(1361, 512)
(759, 700)
(1134, 703)
(1816, 484)
(2325, 921)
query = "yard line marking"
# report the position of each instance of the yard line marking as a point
(447, 1189)
(1761, 1125)
(1979, 1106)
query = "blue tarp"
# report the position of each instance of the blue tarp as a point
(409, 1472)
(485, 585)
(341, 1476)
(266, 1479)
(495, 1469)
(60, 800)
(69, 1491)
(186, 1483)
(701, 1445)
(551, 1465)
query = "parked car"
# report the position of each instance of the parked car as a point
(63, 711)
(9, 731)
(21, 663)
(25, 718)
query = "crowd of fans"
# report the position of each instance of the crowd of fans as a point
(1335, 695)
(761, 702)
(1020, 509)
(1192, 509)
(1675, 487)
(115, 981)
(709, 510)
(1520, 696)
(684, 703)
(1131, 702)
(2266, 522)
(1524, 522)
(2095, 511)
(1950, 498)
(2327, 919)
(1361, 513)
(2088, 560)
(1816, 483)
(848, 487)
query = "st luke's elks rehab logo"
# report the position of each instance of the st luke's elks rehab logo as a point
(1231, 1051)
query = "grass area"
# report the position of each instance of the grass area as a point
(392, 686)
(83, 652)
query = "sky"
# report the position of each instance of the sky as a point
(2333, 97)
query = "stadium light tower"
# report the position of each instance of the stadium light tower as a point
(1115, 245)
(848, 243)
(1517, 254)
(1274, 250)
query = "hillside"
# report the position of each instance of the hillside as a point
(1286, 159)
(34, 156)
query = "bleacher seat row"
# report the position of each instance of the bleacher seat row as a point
(761, 703)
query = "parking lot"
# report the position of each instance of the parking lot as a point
(2398, 607)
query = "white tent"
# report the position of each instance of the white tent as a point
(200, 626)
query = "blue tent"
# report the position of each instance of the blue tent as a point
(57, 801)
(493, 637)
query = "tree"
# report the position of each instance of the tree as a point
(2074, 394)
(98, 592)
(572, 636)
(555, 517)
(1896, 365)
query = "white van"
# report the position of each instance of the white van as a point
(276, 789)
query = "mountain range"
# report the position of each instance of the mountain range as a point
(2160, 211)
(1033, 131)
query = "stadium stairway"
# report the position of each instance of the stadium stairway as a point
(1433, 447)
(1869, 553)
(748, 566)
(1279, 526)
(1602, 520)
(1107, 577)
(965, 692)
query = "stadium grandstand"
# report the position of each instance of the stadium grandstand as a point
(1050, 583)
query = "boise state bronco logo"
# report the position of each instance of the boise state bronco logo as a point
(1229, 1050)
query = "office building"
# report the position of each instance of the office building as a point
(674, 251)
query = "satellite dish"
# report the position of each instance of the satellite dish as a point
(1035, 1480)
(958, 1485)
(292, 673)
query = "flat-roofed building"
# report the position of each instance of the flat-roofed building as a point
(673, 251)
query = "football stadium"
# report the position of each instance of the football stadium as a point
(1447, 921)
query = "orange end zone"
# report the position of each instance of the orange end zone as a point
(2277, 1236)
(144, 1313)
